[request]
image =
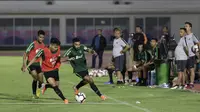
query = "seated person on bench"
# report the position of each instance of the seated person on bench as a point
(141, 58)
(150, 65)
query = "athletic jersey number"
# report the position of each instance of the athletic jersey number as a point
(53, 61)
(37, 51)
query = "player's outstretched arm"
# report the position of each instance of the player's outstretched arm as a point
(67, 56)
(25, 58)
(64, 59)
(89, 50)
(30, 63)
(25, 55)
(92, 51)
(38, 55)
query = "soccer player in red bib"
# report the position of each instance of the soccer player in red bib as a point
(50, 66)
(34, 68)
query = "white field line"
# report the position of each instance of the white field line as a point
(87, 103)
(121, 102)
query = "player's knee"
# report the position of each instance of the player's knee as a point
(88, 79)
(40, 80)
(53, 85)
(34, 76)
(57, 83)
(91, 80)
(34, 79)
(109, 67)
(40, 75)
(144, 68)
(110, 71)
(129, 69)
(33, 73)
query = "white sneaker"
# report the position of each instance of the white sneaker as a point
(131, 84)
(126, 83)
(180, 87)
(164, 85)
(175, 87)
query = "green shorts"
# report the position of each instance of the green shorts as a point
(82, 74)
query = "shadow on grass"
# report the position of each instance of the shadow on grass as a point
(50, 99)
(20, 97)
(16, 97)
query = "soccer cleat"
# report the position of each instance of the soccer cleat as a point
(187, 86)
(138, 84)
(35, 97)
(120, 83)
(38, 92)
(131, 84)
(108, 82)
(180, 87)
(66, 101)
(43, 89)
(126, 83)
(175, 87)
(75, 90)
(103, 97)
(191, 86)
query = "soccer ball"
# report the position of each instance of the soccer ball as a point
(195, 48)
(99, 73)
(80, 97)
(105, 72)
(93, 73)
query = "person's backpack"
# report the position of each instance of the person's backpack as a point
(172, 44)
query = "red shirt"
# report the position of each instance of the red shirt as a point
(33, 48)
(50, 61)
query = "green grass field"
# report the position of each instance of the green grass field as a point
(15, 95)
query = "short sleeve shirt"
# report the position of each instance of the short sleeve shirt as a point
(118, 46)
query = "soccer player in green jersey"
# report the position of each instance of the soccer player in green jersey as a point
(77, 59)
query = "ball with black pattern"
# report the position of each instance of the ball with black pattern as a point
(80, 97)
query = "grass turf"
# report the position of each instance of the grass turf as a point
(15, 95)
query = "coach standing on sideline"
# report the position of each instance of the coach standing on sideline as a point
(98, 44)
(120, 46)
(190, 40)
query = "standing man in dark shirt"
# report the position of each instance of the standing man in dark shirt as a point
(165, 34)
(138, 37)
(163, 43)
(98, 44)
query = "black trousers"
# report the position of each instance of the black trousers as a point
(100, 56)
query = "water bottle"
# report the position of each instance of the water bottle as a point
(137, 79)
(153, 77)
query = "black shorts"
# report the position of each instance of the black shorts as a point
(119, 63)
(191, 62)
(82, 74)
(37, 68)
(151, 67)
(52, 74)
(181, 65)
